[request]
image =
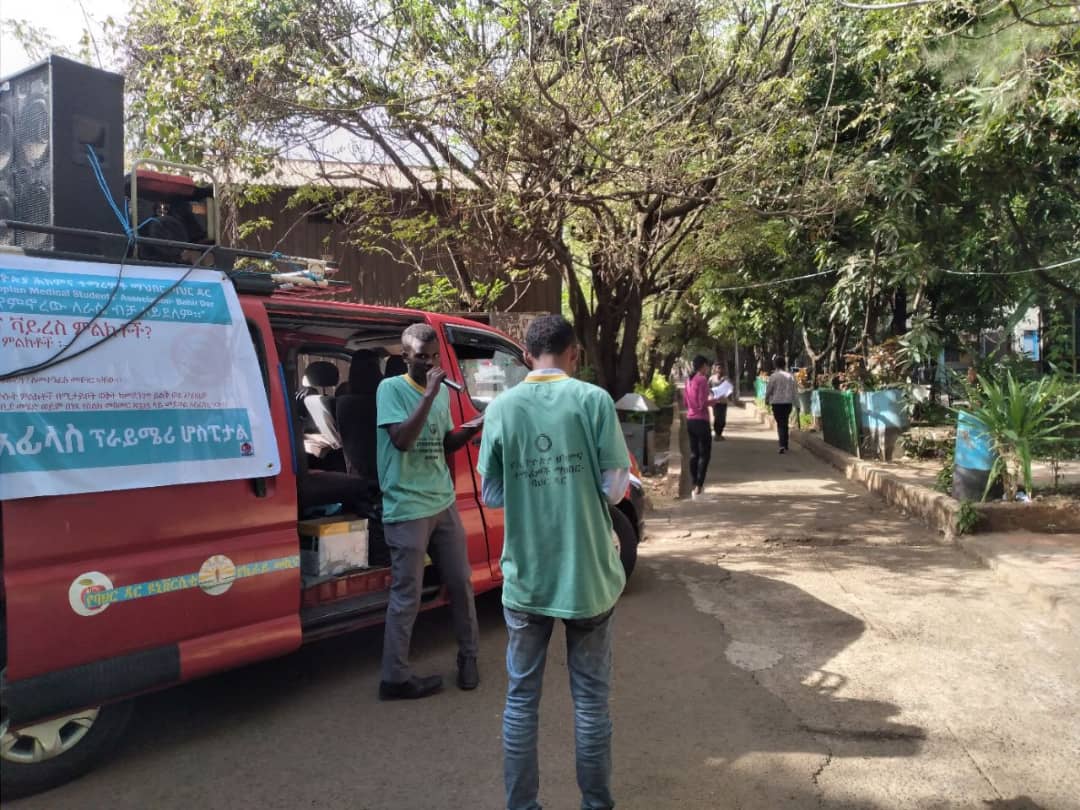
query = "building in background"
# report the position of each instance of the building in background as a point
(384, 274)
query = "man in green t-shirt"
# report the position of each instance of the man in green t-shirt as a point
(419, 513)
(554, 456)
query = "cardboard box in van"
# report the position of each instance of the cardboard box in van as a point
(333, 545)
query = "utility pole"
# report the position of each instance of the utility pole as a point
(738, 368)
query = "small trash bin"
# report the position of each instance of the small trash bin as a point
(638, 416)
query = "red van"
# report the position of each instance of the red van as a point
(67, 680)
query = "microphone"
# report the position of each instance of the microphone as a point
(453, 386)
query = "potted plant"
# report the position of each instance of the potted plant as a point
(1016, 418)
(882, 412)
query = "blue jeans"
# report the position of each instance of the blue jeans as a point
(588, 654)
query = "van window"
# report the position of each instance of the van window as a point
(489, 364)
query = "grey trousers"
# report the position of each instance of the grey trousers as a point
(444, 536)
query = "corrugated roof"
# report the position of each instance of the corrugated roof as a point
(293, 173)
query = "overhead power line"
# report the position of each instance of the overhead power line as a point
(779, 281)
(1054, 266)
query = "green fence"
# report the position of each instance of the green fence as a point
(838, 425)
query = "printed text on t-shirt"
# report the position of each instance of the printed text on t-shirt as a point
(544, 470)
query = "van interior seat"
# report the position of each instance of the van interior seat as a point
(322, 374)
(395, 365)
(357, 417)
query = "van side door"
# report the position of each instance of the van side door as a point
(488, 364)
(155, 585)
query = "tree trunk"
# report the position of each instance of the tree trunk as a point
(900, 312)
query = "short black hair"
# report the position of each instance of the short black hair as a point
(549, 334)
(699, 361)
(420, 332)
(778, 362)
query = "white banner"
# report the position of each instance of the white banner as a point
(175, 397)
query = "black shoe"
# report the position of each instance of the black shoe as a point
(411, 689)
(468, 674)
(783, 450)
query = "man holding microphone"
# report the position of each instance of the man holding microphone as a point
(415, 436)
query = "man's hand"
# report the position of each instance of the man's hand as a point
(457, 438)
(435, 376)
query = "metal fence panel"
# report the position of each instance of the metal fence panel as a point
(838, 425)
(759, 388)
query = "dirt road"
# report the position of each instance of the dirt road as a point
(787, 642)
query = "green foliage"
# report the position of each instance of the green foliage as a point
(1022, 420)
(671, 160)
(659, 390)
(944, 481)
(437, 293)
(967, 517)
(925, 445)
(921, 344)
(806, 421)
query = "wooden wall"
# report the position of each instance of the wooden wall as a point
(376, 277)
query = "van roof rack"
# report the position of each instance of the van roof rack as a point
(303, 275)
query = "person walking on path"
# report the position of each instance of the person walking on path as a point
(780, 394)
(554, 457)
(419, 512)
(720, 390)
(697, 422)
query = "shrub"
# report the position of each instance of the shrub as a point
(944, 480)
(659, 390)
(1023, 420)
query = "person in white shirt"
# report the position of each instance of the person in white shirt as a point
(720, 391)
(780, 394)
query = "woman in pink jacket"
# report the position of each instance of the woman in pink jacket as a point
(697, 423)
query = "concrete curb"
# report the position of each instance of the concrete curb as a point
(935, 509)
(1000, 553)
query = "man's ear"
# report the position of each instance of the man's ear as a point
(530, 361)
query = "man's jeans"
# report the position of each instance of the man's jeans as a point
(588, 654)
(782, 414)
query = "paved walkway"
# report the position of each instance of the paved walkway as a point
(1045, 567)
(940, 687)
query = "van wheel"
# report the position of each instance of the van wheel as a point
(48, 754)
(628, 540)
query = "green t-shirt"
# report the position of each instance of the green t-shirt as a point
(415, 483)
(548, 440)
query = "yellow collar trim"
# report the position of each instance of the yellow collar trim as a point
(543, 378)
(414, 384)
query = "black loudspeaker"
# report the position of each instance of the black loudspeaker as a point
(49, 113)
